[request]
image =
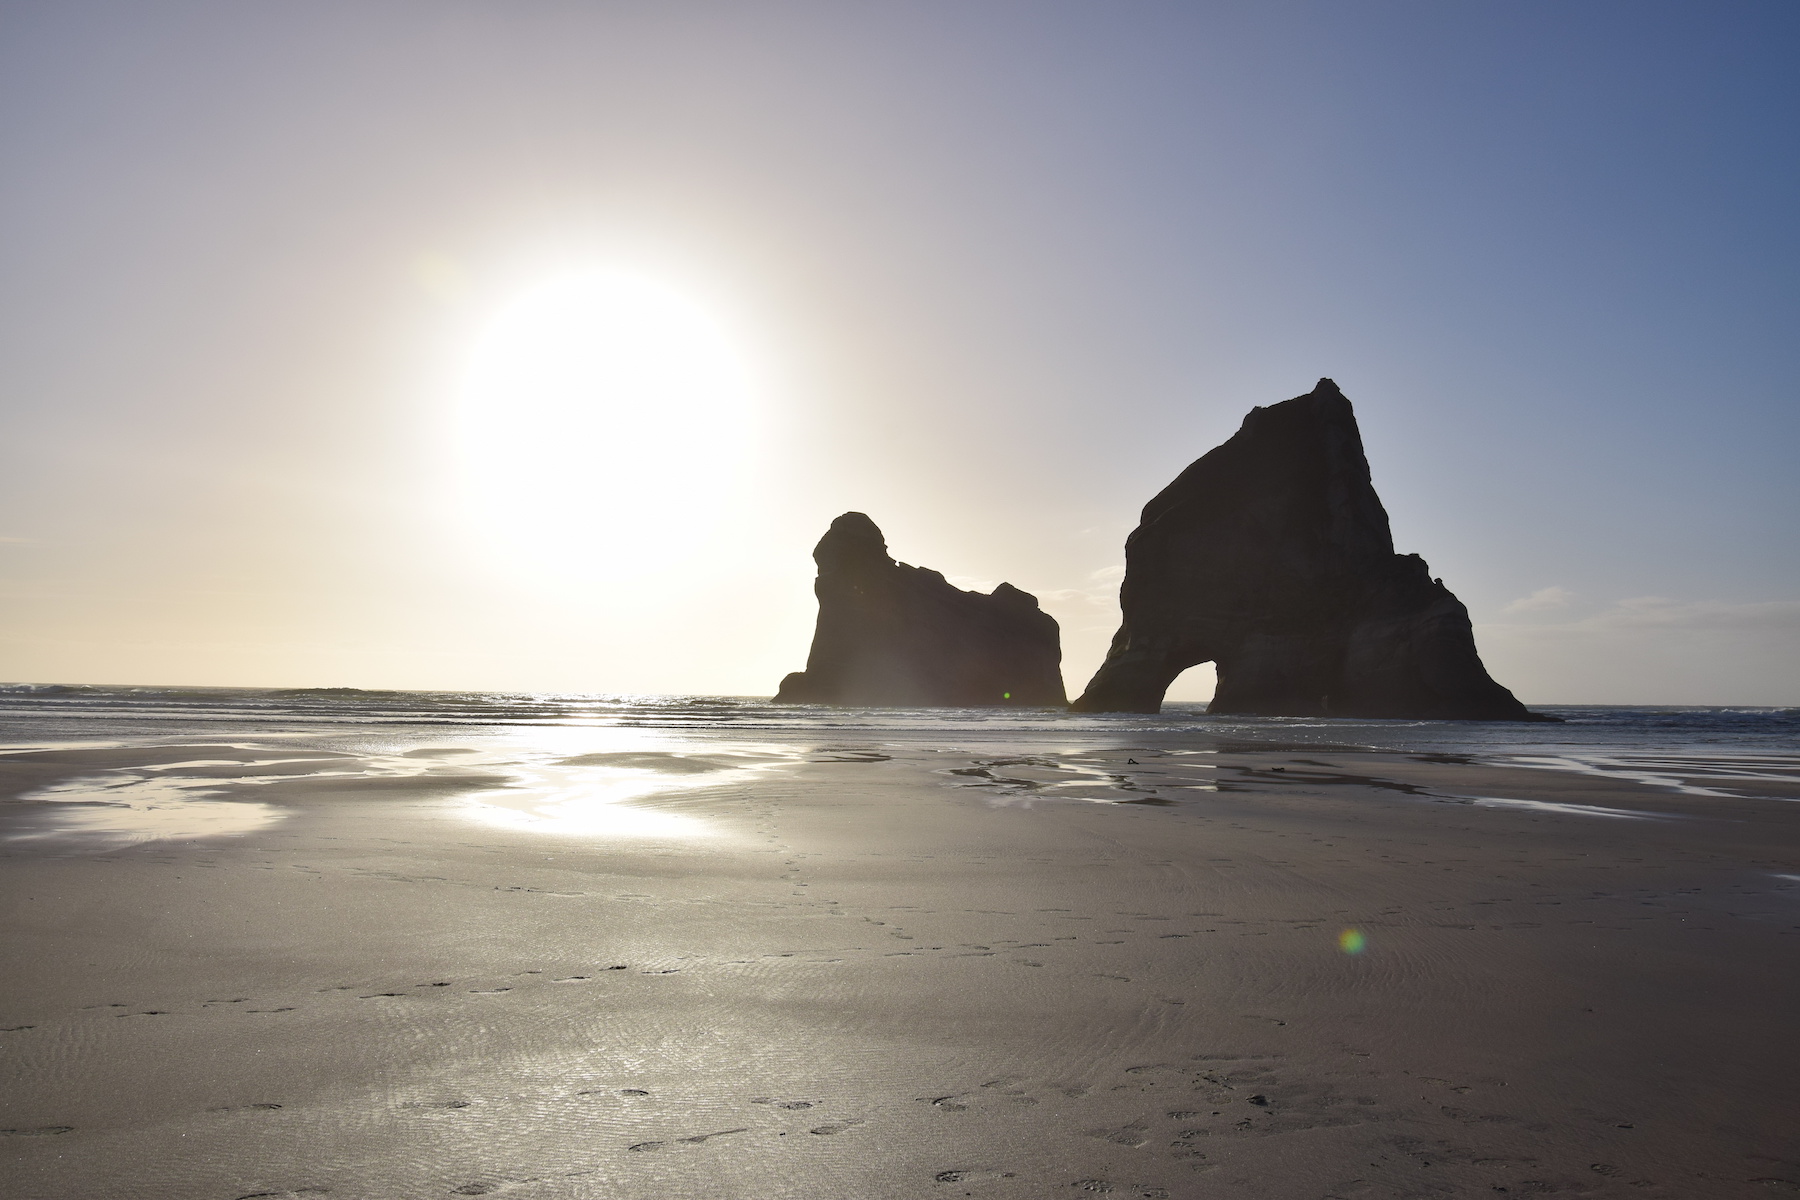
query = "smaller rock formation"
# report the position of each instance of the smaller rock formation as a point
(1271, 557)
(893, 634)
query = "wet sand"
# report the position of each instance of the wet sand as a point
(1043, 967)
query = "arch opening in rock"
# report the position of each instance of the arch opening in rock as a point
(1195, 685)
(1271, 556)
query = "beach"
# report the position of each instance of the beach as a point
(805, 958)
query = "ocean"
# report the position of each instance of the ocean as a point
(35, 713)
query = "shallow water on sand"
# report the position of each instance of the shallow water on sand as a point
(596, 764)
(558, 782)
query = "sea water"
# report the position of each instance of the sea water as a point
(33, 713)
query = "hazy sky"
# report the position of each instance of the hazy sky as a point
(279, 284)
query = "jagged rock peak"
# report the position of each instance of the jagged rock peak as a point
(852, 539)
(893, 634)
(1271, 556)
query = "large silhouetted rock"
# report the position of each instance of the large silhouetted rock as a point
(891, 634)
(1271, 557)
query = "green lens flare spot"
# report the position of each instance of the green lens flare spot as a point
(1351, 941)
(1006, 695)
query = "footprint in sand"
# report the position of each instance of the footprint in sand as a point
(971, 1175)
(836, 1127)
(629, 1093)
(694, 1140)
(1133, 1135)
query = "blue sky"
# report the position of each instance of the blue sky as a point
(1000, 269)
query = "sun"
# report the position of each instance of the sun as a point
(605, 420)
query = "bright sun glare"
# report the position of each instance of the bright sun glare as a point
(605, 418)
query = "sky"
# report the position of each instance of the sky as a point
(299, 308)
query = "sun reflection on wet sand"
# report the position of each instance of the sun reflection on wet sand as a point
(135, 809)
(549, 781)
(594, 808)
(595, 795)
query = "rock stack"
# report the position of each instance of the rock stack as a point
(893, 634)
(1271, 557)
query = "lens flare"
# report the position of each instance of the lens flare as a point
(1351, 941)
